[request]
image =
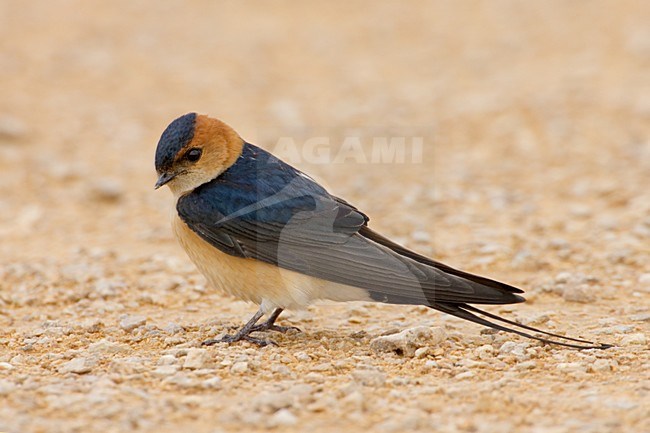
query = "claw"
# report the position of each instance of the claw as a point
(229, 339)
(276, 328)
(250, 326)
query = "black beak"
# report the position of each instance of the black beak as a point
(163, 179)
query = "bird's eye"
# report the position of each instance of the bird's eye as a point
(193, 154)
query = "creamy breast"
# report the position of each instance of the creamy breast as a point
(255, 281)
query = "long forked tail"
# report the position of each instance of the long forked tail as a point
(464, 311)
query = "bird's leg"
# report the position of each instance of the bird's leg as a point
(270, 325)
(243, 333)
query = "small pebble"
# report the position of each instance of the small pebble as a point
(408, 341)
(212, 383)
(518, 350)
(634, 339)
(283, 418)
(564, 277)
(196, 359)
(91, 325)
(167, 360)
(180, 380)
(239, 367)
(6, 387)
(107, 190)
(526, 365)
(571, 366)
(422, 352)
(430, 364)
(602, 365)
(77, 366)
(172, 328)
(484, 352)
(302, 356)
(105, 346)
(268, 402)
(580, 293)
(421, 236)
(165, 370)
(11, 128)
(372, 378)
(129, 323)
(465, 375)
(354, 401)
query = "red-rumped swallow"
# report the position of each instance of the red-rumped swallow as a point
(263, 231)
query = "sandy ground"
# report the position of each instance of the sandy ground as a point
(535, 124)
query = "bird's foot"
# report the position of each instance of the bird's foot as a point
(229, 339)
(250, 326)
(277, 328)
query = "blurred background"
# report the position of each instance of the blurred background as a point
(517, 102)
(534, 118)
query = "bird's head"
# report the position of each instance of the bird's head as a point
(193, 150)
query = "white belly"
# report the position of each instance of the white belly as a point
(256, 281)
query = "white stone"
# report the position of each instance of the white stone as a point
(212, 383)
(167, 360)
(485, 351)
(173, 328)
(283, 418)
(421, 236)
(642, 317)
(431, 364)
(239, 367)
(422, 352)
(409, 340)
(580, 293)
(77, 366)
(564, 277)
(371, 378)
(6, 387)
(196, 359)
(302, 356)
(517, 350)
(165, 371)
(602, 365)
(129, 323)
(11, 127)
(107, 189)
(268, 402)
(105, 346)
(634, 339)
(571, 366)
(526, 365)
(507, 347)
(465, 375)
(180, 380)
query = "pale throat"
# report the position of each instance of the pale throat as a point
(187, 182)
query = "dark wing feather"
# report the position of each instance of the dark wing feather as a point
(371, 234)
(302, 228)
